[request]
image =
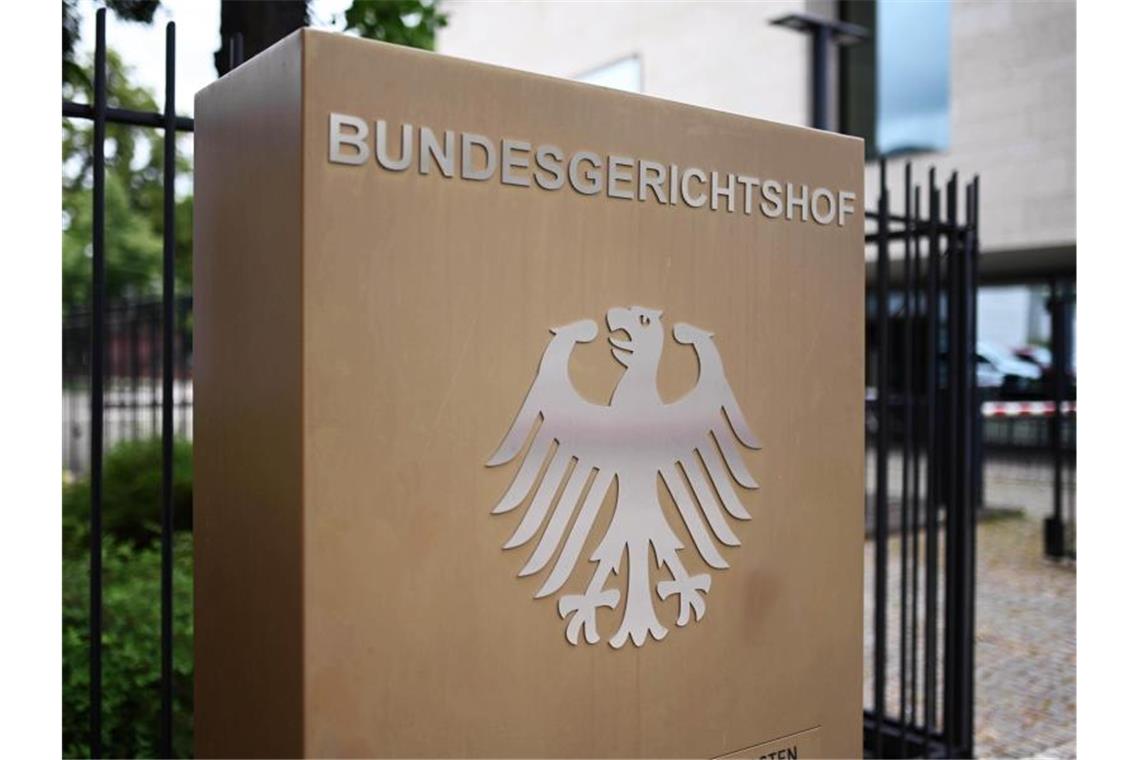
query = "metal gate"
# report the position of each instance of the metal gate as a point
(924, 447)
(100, 113)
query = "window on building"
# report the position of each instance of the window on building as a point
(622, 74)
(895, 91)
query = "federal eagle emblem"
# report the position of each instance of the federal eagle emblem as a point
(689, 444)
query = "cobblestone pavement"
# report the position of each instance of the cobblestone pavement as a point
(1026, 679)
(1025, 676)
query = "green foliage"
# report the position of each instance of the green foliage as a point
(133, 247)
(402, 22)
(132, 495)
(131, 650)
(132, 492)
(133, 209)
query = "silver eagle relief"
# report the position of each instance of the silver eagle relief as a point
(690, 443)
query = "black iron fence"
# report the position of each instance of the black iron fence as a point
(1061, 526)
(133, 380)
(102, 386)
(1029, 426)
(137, 360)
(923, 427)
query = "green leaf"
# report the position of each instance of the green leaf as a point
(403, 22)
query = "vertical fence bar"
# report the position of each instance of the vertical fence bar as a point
(1063, 365)
(1052, 523)
(98, 317)
(954, 500)
(933, 315)
(953, 457)
(978, 464)
(1055, 525)
(904, 505)
(882, 277)
(169, 138)
(965, 482)
(969, 466)
(912, 287)
(973, 460)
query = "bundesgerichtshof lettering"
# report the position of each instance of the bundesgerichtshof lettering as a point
(475, 157)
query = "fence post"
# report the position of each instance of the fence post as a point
(882, 442)
(169, 144)
(98, 319)
(933, 318)
(1058, 346)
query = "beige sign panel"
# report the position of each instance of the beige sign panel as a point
(528, 417)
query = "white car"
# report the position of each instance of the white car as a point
(988, 376)
(1000, 368)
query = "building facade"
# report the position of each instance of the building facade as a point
(1011, 106)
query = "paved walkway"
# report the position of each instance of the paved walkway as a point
(1026, 679)
(1025, 676)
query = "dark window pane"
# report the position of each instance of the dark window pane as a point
(857, 77)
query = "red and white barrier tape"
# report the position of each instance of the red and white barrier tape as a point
(1026, 408)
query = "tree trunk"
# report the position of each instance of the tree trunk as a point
(260, 25)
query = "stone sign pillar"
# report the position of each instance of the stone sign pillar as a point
(528, 417)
